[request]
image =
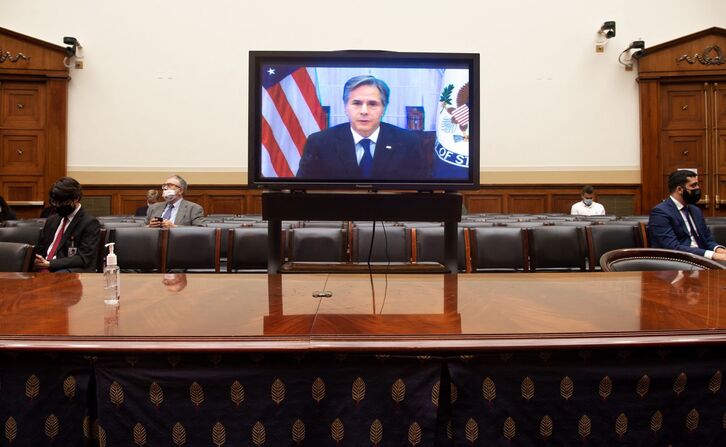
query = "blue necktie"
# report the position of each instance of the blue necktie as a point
(366, 162)
(167, 213)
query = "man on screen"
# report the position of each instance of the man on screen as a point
(365, 148)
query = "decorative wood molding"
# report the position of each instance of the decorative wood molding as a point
(705, 57)
(239, 199)
(8, 56)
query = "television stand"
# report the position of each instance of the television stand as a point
(400, 207)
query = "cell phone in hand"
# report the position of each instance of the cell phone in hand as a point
(158, 219)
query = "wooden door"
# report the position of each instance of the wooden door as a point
(33, 116)
(683, 117)
(22, 140)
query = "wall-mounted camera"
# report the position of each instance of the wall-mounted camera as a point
(73, 59)
(605, 33)
(635, 50)
(607, 29)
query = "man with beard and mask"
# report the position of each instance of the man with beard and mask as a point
(174, 210)
(70, 238)
(678, 224)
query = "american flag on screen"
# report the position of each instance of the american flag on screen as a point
(291, 111)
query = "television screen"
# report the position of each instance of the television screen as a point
(364, 120)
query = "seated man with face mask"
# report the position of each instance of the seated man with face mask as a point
(678, 224)
(174, 210)
(70, 238)
(587, 206)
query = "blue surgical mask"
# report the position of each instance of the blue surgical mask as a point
(587, 202)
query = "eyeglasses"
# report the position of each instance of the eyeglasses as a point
(169, 185)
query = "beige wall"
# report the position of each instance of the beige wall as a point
(164, 88)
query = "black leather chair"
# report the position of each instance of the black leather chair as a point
(111, 224)
(654, 259)
(317, 245)
(26, 234)
(499, 249)
(556, 248)
(391, 245)
(428, 246)
(193, 249)
(604, 238)
(138, 248)
(39, 222)
(718, 231)
(224, 238)
(247, 249)
(16, 257)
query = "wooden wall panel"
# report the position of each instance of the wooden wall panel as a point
(231, 199)
(483, 203)
(527, 203)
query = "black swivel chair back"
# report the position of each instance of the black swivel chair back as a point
(556, 248)
(391, 245)
(428, 246)
(604, 238)
(247, 249)
(499, 248)
(16, 257)
(26, 234)
(138, 248)
(317, 245)
(193, 249)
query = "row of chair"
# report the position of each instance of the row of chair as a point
(246, 248)
(481, 247)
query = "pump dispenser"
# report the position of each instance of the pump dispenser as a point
(111, 277)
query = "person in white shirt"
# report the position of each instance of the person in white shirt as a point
(587, 206)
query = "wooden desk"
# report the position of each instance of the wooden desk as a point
(442, 359)
(410, 312)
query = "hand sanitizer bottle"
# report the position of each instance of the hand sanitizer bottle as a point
(111, 277)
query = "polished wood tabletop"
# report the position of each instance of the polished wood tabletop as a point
(403, 312)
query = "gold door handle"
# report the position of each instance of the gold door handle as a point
(684, 107)
(703, 201)
(20, 106)
(20, 151)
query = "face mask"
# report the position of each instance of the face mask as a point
(65, 210)
(587, 202)
(691, 197)
(169, 195)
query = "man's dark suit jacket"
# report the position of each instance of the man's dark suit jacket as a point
(666, 229)
(330, 155)
(141, 211)
(83, 232)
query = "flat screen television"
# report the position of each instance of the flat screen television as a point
(366, 120)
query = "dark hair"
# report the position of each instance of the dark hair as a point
(588, 189)
(679, 178)
(65, 189)
(5, 213)
(357, 81)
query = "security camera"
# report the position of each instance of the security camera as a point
(608, 29)
(73, 42)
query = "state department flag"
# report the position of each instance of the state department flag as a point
(291, 111)
(451, 160)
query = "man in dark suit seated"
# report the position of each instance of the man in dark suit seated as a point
(70, 238)
(365, 148)
(174, 210)
(678, 224)
(152, 196)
